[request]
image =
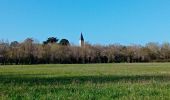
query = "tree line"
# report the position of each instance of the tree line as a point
(53, 51)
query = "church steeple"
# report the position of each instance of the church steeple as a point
(81, 37)
(81, 42)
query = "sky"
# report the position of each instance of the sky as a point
(101, 21)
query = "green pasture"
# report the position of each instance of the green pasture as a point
(137, 81)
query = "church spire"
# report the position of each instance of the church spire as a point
(81, 37)
(81, 42)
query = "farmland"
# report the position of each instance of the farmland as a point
(85, 81)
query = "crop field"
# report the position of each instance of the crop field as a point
(141, 81)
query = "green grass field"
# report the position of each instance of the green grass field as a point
(85, 82)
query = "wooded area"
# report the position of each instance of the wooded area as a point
(52, 52)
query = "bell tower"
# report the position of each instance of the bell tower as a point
(81, 41)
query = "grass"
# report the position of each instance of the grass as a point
(142, 81)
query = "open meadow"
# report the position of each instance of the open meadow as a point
(139, 81)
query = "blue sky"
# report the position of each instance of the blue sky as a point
(101, 21)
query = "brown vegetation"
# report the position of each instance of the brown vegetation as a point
(32, 52)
